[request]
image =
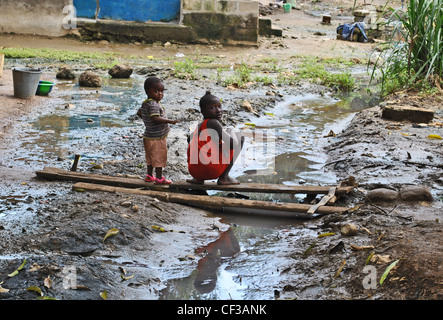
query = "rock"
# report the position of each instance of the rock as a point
(382, 195)
(120, 71)
(415, 193)
(349, 229)
(247, 106)
(410, 113)
(65, 73)
(89, 79)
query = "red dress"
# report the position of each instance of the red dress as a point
(207, 159)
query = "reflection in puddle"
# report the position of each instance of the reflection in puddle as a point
(211, 279)
(242, 264)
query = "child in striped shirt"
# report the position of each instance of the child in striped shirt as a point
(157, 128)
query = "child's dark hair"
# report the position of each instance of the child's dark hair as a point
(150, 82)
(208, 99)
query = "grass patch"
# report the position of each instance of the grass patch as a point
(97, 59)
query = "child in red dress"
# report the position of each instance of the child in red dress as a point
(212, 151)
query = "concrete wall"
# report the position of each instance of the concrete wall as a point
(227, 21)
(41, 17)
(224, 21)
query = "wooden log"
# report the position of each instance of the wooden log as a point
(210, 201)
(59, 174)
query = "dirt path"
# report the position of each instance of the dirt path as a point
(65, 231)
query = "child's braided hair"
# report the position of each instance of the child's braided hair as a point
(208, 99)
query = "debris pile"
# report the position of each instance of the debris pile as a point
(368, 22)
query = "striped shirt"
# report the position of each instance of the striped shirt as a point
(154, 130)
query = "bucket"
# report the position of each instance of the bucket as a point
(287, 7)
(25, 81)
(44, 88)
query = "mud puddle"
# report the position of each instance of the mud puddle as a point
(284, 146)
(243, 263)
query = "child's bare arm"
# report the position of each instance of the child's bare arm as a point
(164, 120)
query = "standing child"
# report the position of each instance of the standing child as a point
(212, 151)
(157, 128)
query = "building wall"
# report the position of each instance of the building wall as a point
(227, 21)
(41, 17)
(224, 21)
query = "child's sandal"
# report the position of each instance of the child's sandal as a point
(163, 180)
(149, 178)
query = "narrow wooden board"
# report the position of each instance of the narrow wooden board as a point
(59, 174)
(323, 201)
(210, 201)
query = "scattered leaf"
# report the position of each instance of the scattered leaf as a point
(3, 290)
(47, 282)
(104, 295)
(79, 190)
(304, 255)
(46, 298)
(158, 228)
(35, 289)
(355, 208)
(12, 274)
(127, 278)
(368, 259)
(111, 232)
(80, 287)
(250, 124)
(354, 247)
(327, 234)
(388, 269)
(434, 137)
(340, 269)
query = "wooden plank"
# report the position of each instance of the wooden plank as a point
(323, 201)
(210, 201)
(58, 174)
(256, 187)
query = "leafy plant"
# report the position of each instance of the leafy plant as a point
(185, 69)
(416, 54)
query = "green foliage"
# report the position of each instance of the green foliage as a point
(316, 71)
(54, 54)
(415, 58)
(185, 69)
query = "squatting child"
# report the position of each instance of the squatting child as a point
(212, 151)
(157, 128)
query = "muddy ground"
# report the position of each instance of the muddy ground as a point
(62, 234)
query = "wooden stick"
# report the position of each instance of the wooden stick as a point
(210, 201)
(76, 160)
(58, 174)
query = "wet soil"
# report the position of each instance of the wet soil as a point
(61, 233)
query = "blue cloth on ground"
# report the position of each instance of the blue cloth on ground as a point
(348, 30)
